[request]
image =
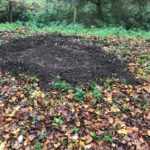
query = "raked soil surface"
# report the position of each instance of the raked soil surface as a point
(74, 59)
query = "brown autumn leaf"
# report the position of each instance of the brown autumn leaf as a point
(78, 123)
(130, 130)
(88, 139)
(1, 119)
(31, 137)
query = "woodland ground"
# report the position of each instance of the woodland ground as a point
(74, 59)
(110, 114)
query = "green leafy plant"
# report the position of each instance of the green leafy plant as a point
(62, 85)
(96, 93)
(92, 85)
(34, 79)
(23, 132)
(42, 135)
(64, 143)
(144, 78)
(94, 136)
(148, 68)
(107, 138)
(106, 84)
(46, 99)
(144, 101)
(34, 119)
(58, 121)
(75, 130)
(136, 70)
(124, 53)
(118, 113)
(79, 94)
(136, 101)
(38, 146)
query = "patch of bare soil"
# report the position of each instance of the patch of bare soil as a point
(76, 60)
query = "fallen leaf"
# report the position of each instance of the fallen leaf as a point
(31, 137)
(78, 124)
(2, 145)
(122, 131)
(57, 145)
(88, 139)
(148, 132)
(20, 139)
(1, 120)
(75, 137)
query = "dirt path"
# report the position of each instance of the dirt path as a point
(76, 60)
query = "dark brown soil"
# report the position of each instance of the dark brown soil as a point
(76, 60)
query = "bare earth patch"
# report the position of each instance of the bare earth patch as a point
(76, 60)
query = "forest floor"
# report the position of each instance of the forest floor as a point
(100, 100)
(74, 59)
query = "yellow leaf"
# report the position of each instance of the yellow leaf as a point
(2, 145)
(129, 91)
(91, 110)
(70, 96)
(57, 145)
(16, 131)
(122, 124)
(111, 120)
(122, 131)
(115, 109)
(97, 112)
(109, 98)
(38, 94)
(81, 143)
(25, 143)
(13, 99)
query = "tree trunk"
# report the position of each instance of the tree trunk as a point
(10, 14)
(46, 7)
(75, 15)
(99, 9)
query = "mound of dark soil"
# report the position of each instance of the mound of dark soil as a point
(76, 60)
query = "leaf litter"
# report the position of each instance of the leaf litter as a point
(113, 115)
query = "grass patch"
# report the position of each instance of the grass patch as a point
(10, 26)
(76, 29)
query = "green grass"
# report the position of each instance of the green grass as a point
(77, 29)
(10, 26)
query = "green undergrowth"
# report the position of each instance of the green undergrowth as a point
(76, 29)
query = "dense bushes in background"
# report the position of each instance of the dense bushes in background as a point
(13, 10)
(129, 13)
